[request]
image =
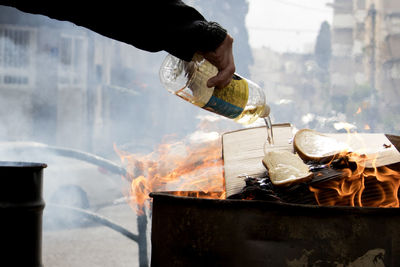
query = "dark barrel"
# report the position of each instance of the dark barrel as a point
(21, 210)
(188, 231)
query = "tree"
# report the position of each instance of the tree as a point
(323, 49)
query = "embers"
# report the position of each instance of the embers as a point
(339, 183)
(257, 188)
(261, 188)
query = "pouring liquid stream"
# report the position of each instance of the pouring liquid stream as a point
(270, 133)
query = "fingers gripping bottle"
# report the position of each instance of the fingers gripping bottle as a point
(241, 100)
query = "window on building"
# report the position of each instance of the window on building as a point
(16, 56)
(73, 61)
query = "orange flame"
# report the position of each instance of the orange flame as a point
(188, 170)
(360, 186)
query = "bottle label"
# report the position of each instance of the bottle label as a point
(231, 100)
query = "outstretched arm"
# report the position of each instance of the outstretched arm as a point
(157, 25)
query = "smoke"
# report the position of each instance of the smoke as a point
(63, 85)
(66, 87)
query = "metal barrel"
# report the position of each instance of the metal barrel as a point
(21, 211)
(189, 231)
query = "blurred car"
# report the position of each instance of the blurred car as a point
(72, 178)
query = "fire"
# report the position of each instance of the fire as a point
(360, 186)
(185, 169)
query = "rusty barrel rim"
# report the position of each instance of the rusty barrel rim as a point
(263, 204)
(22, 164)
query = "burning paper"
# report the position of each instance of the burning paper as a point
(360, 186)
(193, 169)
(365, 179)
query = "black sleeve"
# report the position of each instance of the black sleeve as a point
(153, 26)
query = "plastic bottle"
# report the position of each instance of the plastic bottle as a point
(241, 100)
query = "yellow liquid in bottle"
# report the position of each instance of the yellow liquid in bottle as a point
(241, 100)
(249, 115)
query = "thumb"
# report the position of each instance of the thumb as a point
(221, 80)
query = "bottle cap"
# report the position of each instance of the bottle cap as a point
(266, 112)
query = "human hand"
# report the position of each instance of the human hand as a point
(222, 58)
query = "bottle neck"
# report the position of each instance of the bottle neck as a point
(266, 111)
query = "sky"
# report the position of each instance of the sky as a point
(286, 25)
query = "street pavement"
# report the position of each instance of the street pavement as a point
(93, 244)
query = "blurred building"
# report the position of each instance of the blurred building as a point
(382, 39)
(64, 85)
(342, 46)
(366, 52)
(292, 83)
(43, 79)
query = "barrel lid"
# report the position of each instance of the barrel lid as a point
(22, 164)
